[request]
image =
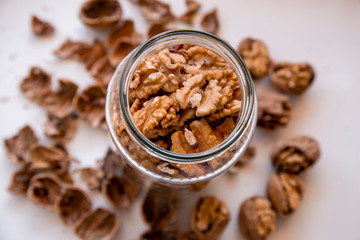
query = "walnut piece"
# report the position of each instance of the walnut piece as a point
(44, 190)
(91, 177)
(72, 205)
(91, 105)
(53, 158)
(156, 12)
(120, 50)
(210, 22)
(59, 102)
(102, 70)
(190, 87)
(256, 218)
(295, 155)
(20, 180)
(60, 129)
(79, 51)
(190, 138)
(292, 78)
(256, 57)
(226, 127)
(209, 217)
(273, 110)
(120, 191)
(40, 27)
(18, 146)
(98, 51)
(36, 84)
(192, 8)
(125, 31)
(206, 137)
(230, 109)
(100, 13)
(284, 192)
(160, 209)
(98, 224)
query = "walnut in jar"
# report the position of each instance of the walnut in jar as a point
(256, 57)
(284, 192)
(292, 78)
(296, 154)
(256, 218)
(209, 217)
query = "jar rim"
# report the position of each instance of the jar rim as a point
(247, 104)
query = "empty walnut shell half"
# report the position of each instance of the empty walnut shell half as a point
(256, 57)
(20, 180)
(273, 110)
(98, 224)
(156, 12)
(209, 217)
(120, 192)
(18, 146)
(296, 154)
(256, 218)
(285, 192)
(37, 83)
(72, 205)
(160, 209)
(101, 13)
(292, 78)
(44, 190)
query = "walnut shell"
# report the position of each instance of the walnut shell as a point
(44, 190)
(284, 192)
(37, 83)
(209, 217)
(156, 12)
(210, 22)
(292, 78)
(60, 129)
(120, 192)
(120, 50)
(98, 224)
(256, 218)
(160, 209)
(296, 154)
(20, 180)
(248, 155)
(18, 146)
(166, 233)
(72, 205)
(101, 13)
(40, 27)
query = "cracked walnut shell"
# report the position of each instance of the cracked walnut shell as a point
(292, 78)
(98, 224)
(285, 192)
(256, 57)
(20, 180)
(100, 13)
(192, 8)
(18, 146)
(60, 129)
(210, 22)
(209, 218)
(102, 70)
(256, 218)
(72, 205)
(125, 31)
(273, 110)
(44, 189)
(37, 83)
(295, 155)
(79, 51)
(156, 12)
(40, 27)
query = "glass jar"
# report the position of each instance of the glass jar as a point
(149, 163)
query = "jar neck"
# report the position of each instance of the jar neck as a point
(212, 43)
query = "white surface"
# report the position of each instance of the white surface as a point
(325, 33)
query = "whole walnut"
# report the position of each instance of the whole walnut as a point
(256, 218)
(292, 78)
(256, 57)
(296, 154)
(285, 192)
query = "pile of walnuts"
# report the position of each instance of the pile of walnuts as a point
(45, 174)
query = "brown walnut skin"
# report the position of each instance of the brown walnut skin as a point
(292, 78)
(295, 155)
(256, 218)
(100, 13)
(285, 193)
(72, 205)
(209, 218)
(98, 224)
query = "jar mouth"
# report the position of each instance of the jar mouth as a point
(228, 53)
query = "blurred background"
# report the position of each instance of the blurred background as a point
(324, 33)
